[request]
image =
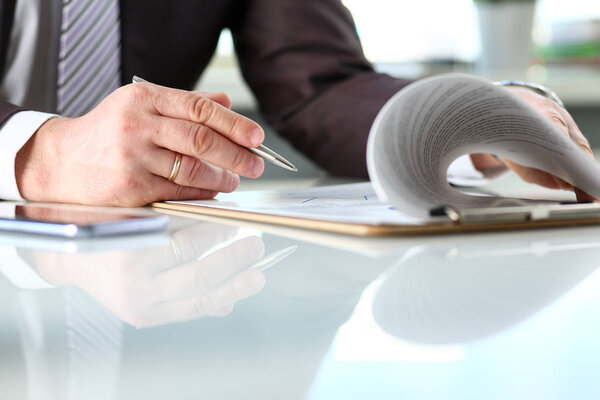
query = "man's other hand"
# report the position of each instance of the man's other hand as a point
(563, 120)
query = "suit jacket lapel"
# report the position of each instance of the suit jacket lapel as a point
(7, 13)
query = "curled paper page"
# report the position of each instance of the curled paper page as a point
(432, 122)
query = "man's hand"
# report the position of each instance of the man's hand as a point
(193, 276)
(122, 152)
(563, 120)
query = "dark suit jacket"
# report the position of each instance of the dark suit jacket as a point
(301, 58)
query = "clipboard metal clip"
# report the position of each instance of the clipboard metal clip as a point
(520, 213)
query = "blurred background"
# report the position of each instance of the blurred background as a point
(552, 42)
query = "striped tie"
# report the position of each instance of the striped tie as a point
(90, 54)
(95, 340)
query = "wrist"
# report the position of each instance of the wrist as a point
(36, 162)
(537, 88)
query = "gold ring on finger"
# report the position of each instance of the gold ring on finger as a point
(175, 169)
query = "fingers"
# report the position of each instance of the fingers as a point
(203, 142)
(158, 188)
(561, 118)
(193, 242)
(218, 302)
(545, 179)
(161, 189)
(195, 107)
(193, 172)
(206, 287)
(583, 196)
(484, 162)
(219, 97)
(539, 177)
(97, 158)
(199, 277)
(564, 121)
(574, 131)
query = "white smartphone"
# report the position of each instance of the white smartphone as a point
(72, 222)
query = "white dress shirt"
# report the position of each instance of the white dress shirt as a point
(28, 34)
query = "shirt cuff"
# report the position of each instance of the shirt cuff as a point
(18, 272)
(14, 133)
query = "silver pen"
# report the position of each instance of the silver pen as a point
(262, 151)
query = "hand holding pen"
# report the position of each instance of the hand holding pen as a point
(143, 143)
(260, 150)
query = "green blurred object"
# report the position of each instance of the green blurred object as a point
(575, 42)
(591, 49)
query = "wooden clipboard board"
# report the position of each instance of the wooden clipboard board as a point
(359, 229)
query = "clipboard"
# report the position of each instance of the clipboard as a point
(447, 219)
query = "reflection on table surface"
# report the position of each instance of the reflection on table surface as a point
(222, 312)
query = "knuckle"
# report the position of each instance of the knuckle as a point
(126, 157)
(225, 98)
(205, 305)
(202, 109)
(586, 147)
(565, 114)
(128, 184)
(127, 124)
(229, 182)
(180, 192)
(549, 103)
(122, 93)
(135, 92)
(585, 143)
(125, 192)
(235, 124)
(202, 140)
(225, 182)
(204, 279)
(195, 171)
(239, 159)
(558, 120)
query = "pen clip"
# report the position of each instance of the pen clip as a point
(446, 211)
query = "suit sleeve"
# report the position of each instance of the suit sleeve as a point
(304, 62)
(7, 110)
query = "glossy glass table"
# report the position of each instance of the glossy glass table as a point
(220, 311)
